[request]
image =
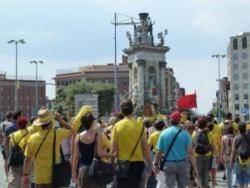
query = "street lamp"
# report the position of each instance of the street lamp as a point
(16, 42)
(36, 63)
(219, 57)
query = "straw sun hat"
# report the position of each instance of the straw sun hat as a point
(44, 117)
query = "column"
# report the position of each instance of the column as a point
(162, 66)
(141, 66)
(131, 80)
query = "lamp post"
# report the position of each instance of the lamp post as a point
(219, 57)
(16, 42)
(36, 63)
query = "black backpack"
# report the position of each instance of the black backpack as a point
(244, 149)
(16, 156)
(202, 145)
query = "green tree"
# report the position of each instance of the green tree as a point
(65, 98)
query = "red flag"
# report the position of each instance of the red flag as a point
(187, 102)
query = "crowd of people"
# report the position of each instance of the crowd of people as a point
(129, 151)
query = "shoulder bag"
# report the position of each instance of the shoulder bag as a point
(169, 149)
(123, 166)
(101, 171)
(61, 173)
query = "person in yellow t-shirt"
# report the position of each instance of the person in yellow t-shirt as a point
(203, 151)
(40, 148)
(19, 138)
(126, 134)
(153, 138)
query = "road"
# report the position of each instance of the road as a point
(3, 183)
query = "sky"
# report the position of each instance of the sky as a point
(73, 33)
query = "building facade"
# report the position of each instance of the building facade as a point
(239, 74)
(222, 96)
(95, 73)
(26, 94)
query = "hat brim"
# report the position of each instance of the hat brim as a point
(40, 122)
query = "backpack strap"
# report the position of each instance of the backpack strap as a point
(22, 137)
(54, 150)
(133, 151)
(169, 148)
(41, 144)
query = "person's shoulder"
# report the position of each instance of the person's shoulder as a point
(34, 137)
(166, 131)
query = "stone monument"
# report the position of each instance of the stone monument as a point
(147, 65)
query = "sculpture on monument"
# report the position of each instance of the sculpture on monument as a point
(147, 66)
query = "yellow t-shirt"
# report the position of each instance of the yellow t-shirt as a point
(194, 140)
(34, 128)
(19, 137)
(153, 139)
(125, 134)
(106, 145)
(43, 161)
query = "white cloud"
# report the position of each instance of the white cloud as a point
(210, 23)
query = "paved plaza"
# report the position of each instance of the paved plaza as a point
(3, 183)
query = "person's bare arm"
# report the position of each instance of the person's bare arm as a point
(192, 158)
(75, 159)
(232, 158)
(27, 165)
(157, 161)
(146, 150)
(26, 170)
(222, 151)
(6, 145)
(114, 147)
(64, 124)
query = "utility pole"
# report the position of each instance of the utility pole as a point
(36, 63)
(219, 57)
(16, 42)
(117, 23)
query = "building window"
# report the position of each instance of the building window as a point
(244, 76)
(236, 86)
(235, 44)
(244, 66)
(244, 55)
(235, 66)
(236, 97)
(244, 42)
(245, 86)
(235, 57)
(236, 77)
(246, 106)
(237, 107)
(125, 81)
(245, 96)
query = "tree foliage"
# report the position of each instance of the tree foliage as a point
(65, 98)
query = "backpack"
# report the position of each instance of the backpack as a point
(244, 149)
(16, 156)
(202, 145)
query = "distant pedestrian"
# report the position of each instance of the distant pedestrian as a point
(241, 155)
(203, 152)
(226, 150)
(18, 141)
(3, 139)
